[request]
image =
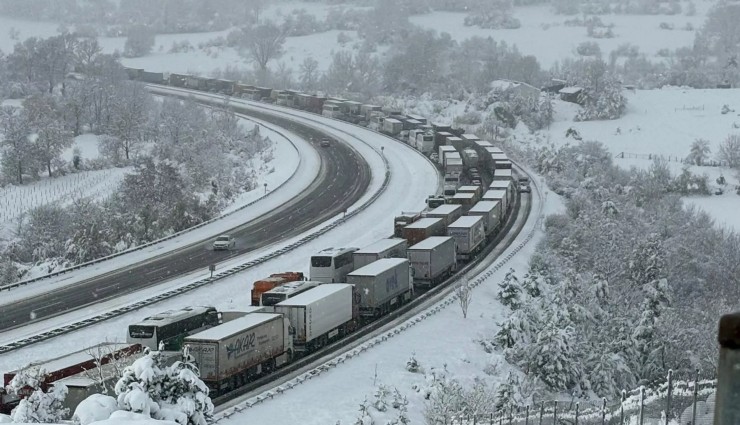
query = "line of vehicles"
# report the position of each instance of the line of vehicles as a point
(292, 314)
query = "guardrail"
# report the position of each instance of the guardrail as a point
(166, 238)
(336, 361)
(218, 276)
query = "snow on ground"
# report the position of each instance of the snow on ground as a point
(665, 123)
(544, 35)
(445, 339)
(412, 179)
(25, 29)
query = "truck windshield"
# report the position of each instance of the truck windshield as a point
(136, 331)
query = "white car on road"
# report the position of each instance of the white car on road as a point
(224, 242)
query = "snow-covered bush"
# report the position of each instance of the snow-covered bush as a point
(97, 407)
(40, 406)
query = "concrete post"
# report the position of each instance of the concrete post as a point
(727, 407)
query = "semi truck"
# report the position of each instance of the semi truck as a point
(320, 315)
(263, 285)
(454, 166)
(502, 174)
(383, 285)
(422, 229)
(237, 351)
(466, 200)
(384, 248)
(403, 220)
(469, 234)
(490, 211)
(432, 260)
(508, 186)
(442, 151)
(497, 195)
(448, 213)
(285, 291)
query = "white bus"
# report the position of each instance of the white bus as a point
(171, 327)
(332, 265)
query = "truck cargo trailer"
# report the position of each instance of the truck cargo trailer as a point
(320, 315)
(384, 248)
(231, 354)
(422, 229)
(447, 212)
(433, 260)
(503, 174)
(382, 285)
(469, 235)
(490, 211)
(454, 166)
(508, 186)
(443, 150)
(498, 195)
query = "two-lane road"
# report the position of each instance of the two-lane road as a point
(343, 179)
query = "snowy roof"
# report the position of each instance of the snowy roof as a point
(377, 267)
(235, 326)
(483, 143)
(314, 294)
(502, 84)
(430, 243)
(494, 194)
(291, 287)
(445, 133)
(500, 184)
(392, 120)
(494, 150)
(468, 188)
(464, 195)
(466, 221)
(75, 358)
(169, 316)
(445, 209)
(483, 207)
(499, 156)
(454, 161)
(570, 90)
(423, 223)
(381, 245)
(333, 251)
(469, 136)
(455, 138)
(447, 148)
(502, 172)
(453, 154)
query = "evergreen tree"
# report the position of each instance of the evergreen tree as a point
(40, 406)
(510, 292)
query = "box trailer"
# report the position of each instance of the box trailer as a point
(508, 186)
(440, 138)
(443, 150)
(384, 248)
(490, 211)
(382, 285)
(503, 174)
(392, 126)
(268, 283)
(432, 260)
(240, 349)
(422, 229)
(456, 142)
(320, 315)
(466, 200)
(498, 195)
(403, 220)
(476, 190)
(469, 235)
(447, 212)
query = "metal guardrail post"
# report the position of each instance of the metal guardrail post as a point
(542, 412)
(621, 407)
(526, 416)
(603, 411)
(727, 407)
(578, 405)
(555, 412)
(668, 397)
(642, 404)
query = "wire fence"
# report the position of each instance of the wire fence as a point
(670, 158)
(674, 402)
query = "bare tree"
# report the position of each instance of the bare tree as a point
(464, 296)
(264, 43)
(105, 354)
(309, 73)
(729, 150)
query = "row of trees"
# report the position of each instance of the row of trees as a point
(627, 284)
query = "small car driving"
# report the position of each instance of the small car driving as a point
(223, 243)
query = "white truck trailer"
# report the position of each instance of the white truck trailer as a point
(384, 248)
(240, 349)
(490, 211)
(497, 195)
(320, 315)
(433, 260)
(469, 235)
(382, 285)
(447, 212)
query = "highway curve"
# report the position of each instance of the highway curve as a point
(342, 181)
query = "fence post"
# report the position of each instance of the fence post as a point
(511, 414)
(621, 407)
(603, 411)
(668, 397)
(578, 405)
(542, 412)
(727, 407)
(696, 392)
(491, 418)
(526, 416)
(642, 404)
(555, 412)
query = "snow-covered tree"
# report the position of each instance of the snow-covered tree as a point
(40, 406)
(96, 407)
(729, 151)
(18, 157)
(139, 42)
(699, 151)
(510, 291)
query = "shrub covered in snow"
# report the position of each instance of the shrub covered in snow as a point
(94, 408)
